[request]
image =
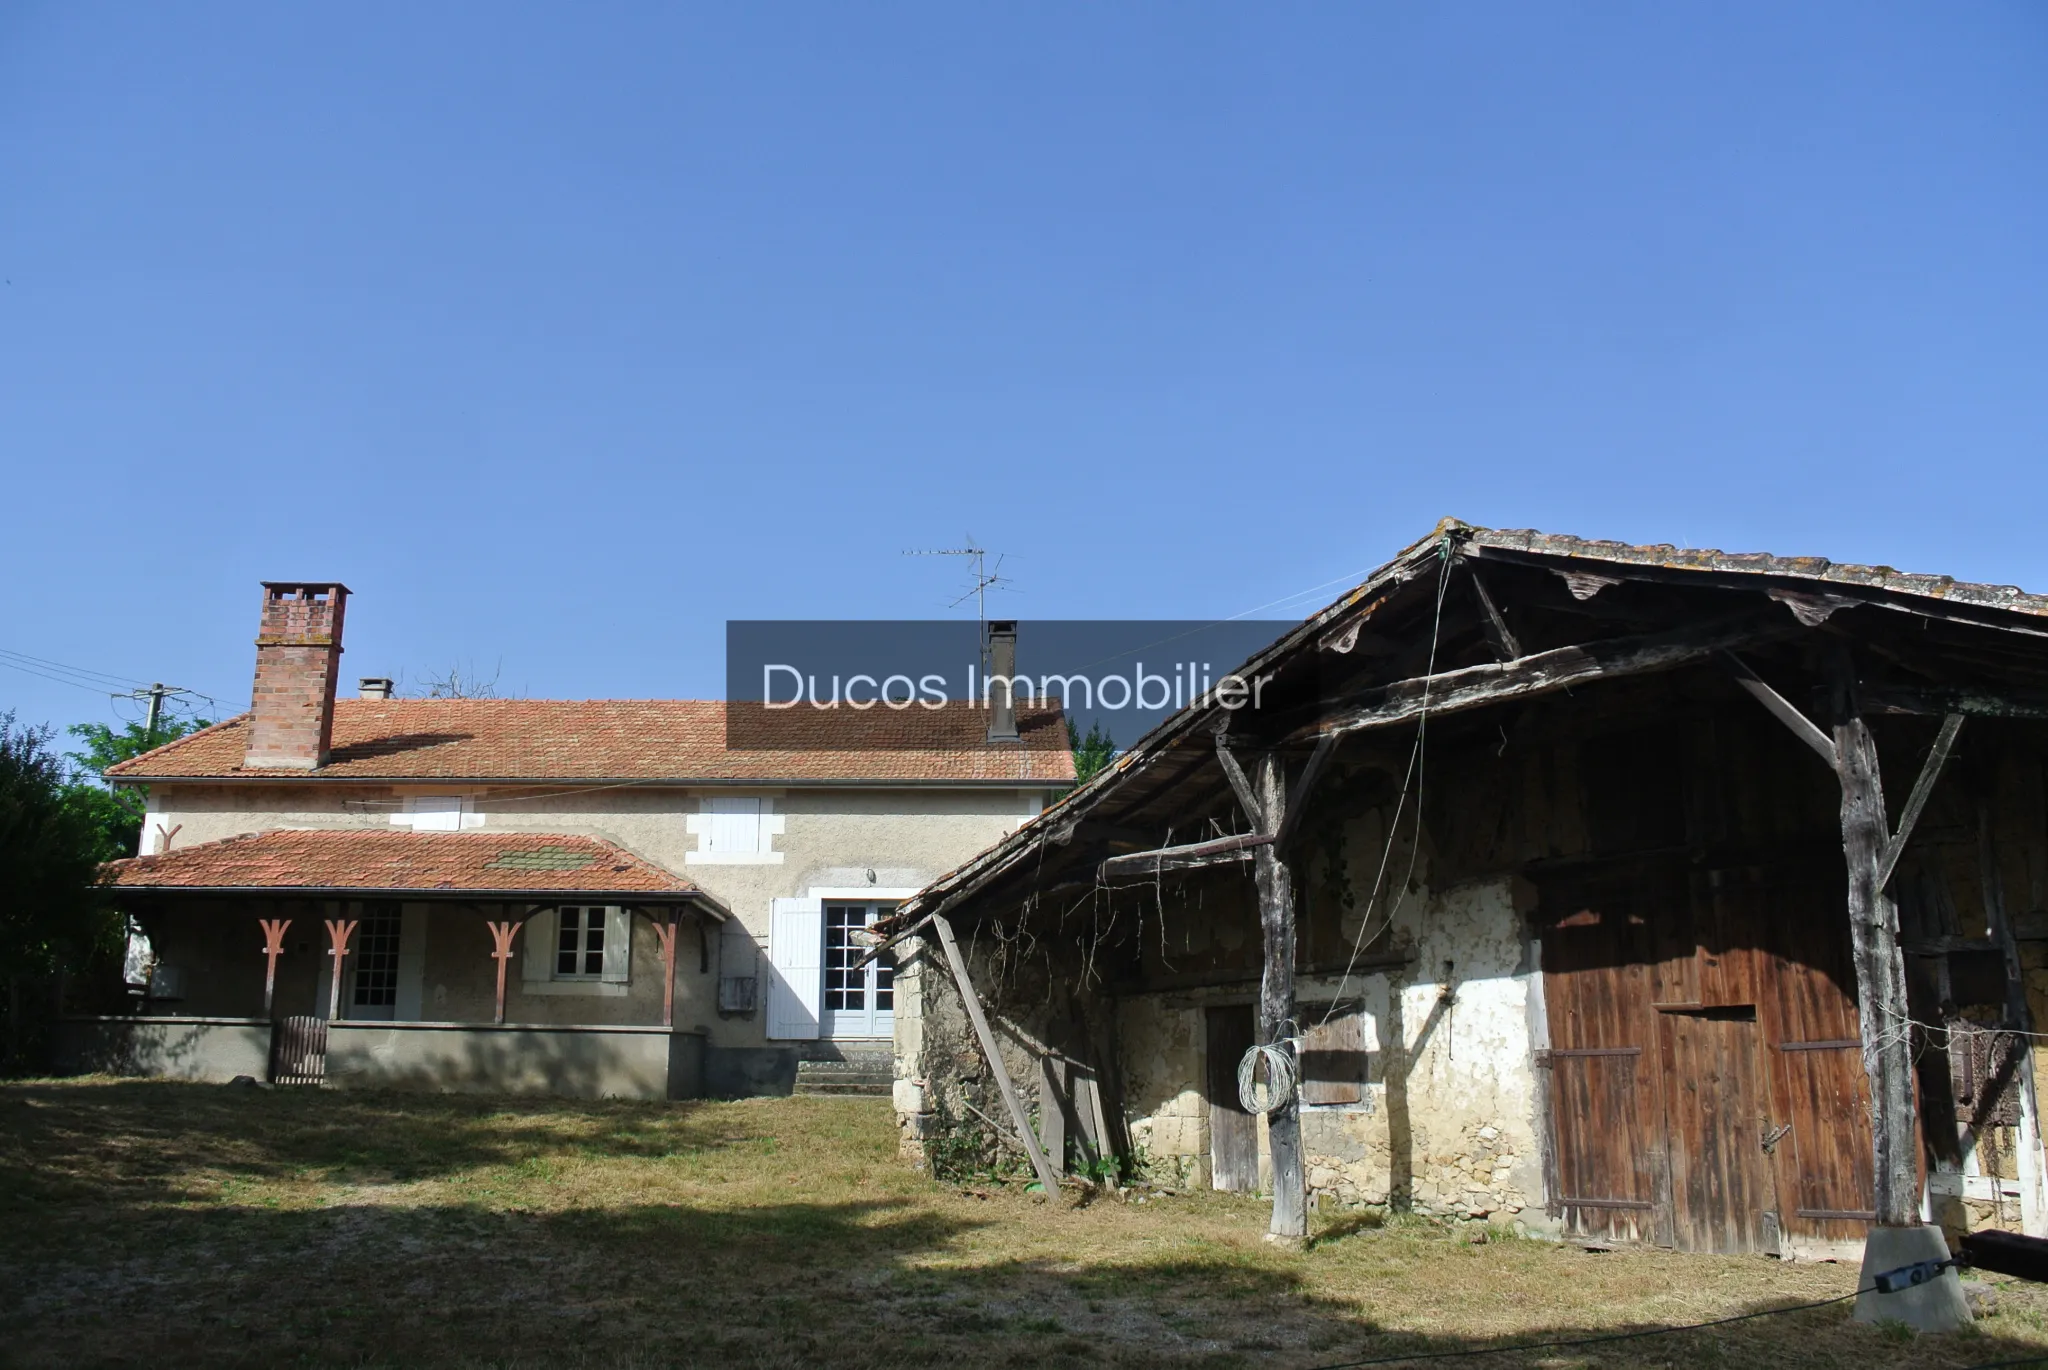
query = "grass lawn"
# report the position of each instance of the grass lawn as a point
(163, 1224)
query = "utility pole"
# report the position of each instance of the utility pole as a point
(156, 694)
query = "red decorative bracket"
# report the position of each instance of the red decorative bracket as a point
(666, 931)
(338, 932)
(502, 934)
(273, 947)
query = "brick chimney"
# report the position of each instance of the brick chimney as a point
(298, 658)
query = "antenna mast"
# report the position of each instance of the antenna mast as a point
(984, 581)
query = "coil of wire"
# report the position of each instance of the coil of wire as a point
(1281, 1076)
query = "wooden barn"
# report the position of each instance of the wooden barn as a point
(1630, 894)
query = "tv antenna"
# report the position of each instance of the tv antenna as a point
(984, 581)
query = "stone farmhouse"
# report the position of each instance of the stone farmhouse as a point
(591, 897)
(1632, 894)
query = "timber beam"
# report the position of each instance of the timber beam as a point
(1542, 673)
(1498, 635)
(1935, 699)
(1047, 1176)
(1194, 855)
(1930, 771)
(1782, 709)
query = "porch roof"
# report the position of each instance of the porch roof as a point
(363, 861)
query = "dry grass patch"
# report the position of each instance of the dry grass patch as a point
(162, 1224)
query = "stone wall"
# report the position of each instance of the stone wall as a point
(1447, 1125)
(1447, 1122)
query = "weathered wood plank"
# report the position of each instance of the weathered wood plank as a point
(1304, 786)
(1923, 787)
(1228, 1032)
(1783, 709)
(1239, 786)
(1978, 703)
(1473, 687)
(1498, 635)
(1880, 967)
(1144, 865)
(1052, 1109)
(1018, 1118)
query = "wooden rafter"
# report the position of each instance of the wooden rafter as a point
(1930, 771)
(1782, 709)
(1191, 856)
(1543, 673)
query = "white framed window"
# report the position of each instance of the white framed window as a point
(438, 813)
(735, 830)
(578, 949)
(579, 942)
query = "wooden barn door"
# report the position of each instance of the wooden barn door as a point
(1715, 1117)
(1819, 1094)
(1233, 1133)
(1707, 1085)
(1611, 1168)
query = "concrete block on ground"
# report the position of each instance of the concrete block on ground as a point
(1936, 1306)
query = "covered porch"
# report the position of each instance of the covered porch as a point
(530, 963)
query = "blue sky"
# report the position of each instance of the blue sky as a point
(562, 334)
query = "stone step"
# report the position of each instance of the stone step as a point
(863, 1088)
(846, 1077)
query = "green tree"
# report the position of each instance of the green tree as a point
(52, 918)
(116, 814)
(1092, 750)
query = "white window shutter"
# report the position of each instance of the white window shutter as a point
(796, 955)
(537, 947)
(735, 825)
(618, 945)
(437, 812)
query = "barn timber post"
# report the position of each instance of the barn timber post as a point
(1897, 1237)
(1880, 965)
(1266, 807)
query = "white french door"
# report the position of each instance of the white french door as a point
(858, 1003)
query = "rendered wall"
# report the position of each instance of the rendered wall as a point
(571, 1062)
(1448, 1122)
(831, 838)
(211, 1050)
(1447, 1125)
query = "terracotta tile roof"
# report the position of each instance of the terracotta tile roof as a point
(379, 860)
(635, 739)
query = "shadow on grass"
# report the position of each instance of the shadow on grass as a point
(140, 1141)
(856, 1284)
(134, 1272)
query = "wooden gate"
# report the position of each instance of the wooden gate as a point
(298, 1051)
(1707, 1090)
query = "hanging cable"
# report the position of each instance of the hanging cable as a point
(1411, 780)
(1283, 1076)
